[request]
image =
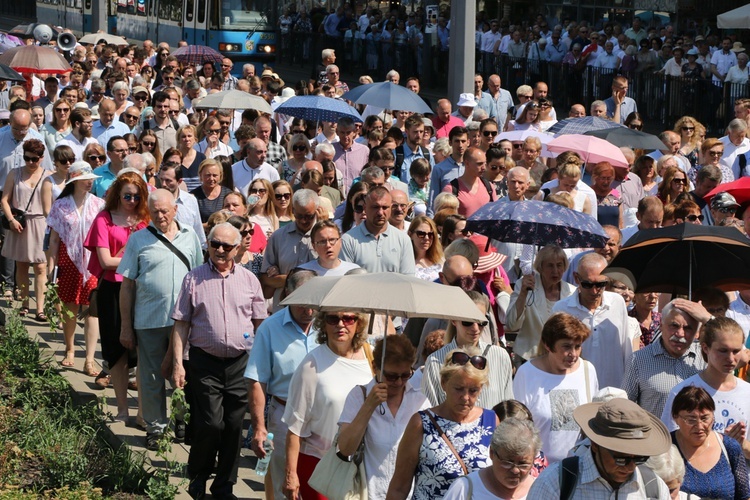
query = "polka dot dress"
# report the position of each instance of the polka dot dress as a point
(71, 288)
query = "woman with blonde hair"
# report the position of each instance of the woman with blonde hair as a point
(687, 128)
(210, 193)
(120, 94)
(673, 184)
(298, 152)
(261, 209)
(568, 176)
(148, 143)
(59, 127)
(95, 155)
(191, 159)
(428, 252)
(282, 202)
(645, 168)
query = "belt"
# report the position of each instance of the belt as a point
(279, 400)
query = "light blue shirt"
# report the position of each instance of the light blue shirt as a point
(442, 174)
(280, 346)
(189, 214)
(158, 274)
(11, 152)
(106, 178)
(409, 157)
(486, 103)
(103, 134)
(501, 107)
(628, 106)
(390, 252)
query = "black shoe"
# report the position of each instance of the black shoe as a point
(197, 489)
(179, 430)
(224, 496)
(152, 440)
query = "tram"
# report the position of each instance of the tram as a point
(243, 30)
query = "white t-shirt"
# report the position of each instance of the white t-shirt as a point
(383, 435)
(459, 490)
(340, 270)
(317, 393)
(552, 399)
(731, 406)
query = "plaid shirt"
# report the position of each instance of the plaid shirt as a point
(230, 83)
(276, 155)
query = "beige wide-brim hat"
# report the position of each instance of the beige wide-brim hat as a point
(622, 426)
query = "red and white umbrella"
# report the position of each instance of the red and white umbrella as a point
(591, 149)
(35, 59)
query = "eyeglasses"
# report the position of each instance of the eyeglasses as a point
(399, 206)
(283, 196)
(693, 218)
(298, 131)
(346, 319)
(258, 190)
(329, 241)
(359, 209)
(305, 217)
(500, 167)
(31, 159)
(680, 181)
(247, 232)
(395, 377)
(424, 234)
(97, 157)
(588, 285)
(517, 146)
(693, 421)
(508, 465)
(227, 247)
(621, 461)
(461, 358)
(131, 197)
(299, 147)
(213, 131)
(481, 324)
(716, 154)
(489, 133)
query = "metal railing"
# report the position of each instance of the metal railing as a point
(661, 99)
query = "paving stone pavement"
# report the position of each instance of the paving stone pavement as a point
(248, 486)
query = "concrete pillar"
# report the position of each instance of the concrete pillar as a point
(462, 49)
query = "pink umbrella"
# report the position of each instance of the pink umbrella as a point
(591, 149)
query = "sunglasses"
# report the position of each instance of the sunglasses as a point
(148, 144)
(726, 210)
(212, 131)
(359, 209)
(131, 197)
(258, 190)
(395, 377)
(305, 217)
(424, 234)
(693, 218)
(247, 232)
(635, 127)
(588, 285)
(299, 147)
(62, 110)
(688, 129)
(621, 461)
(97, 157)
(227, 247)
(489, 133)
(498, 167)
(31, 159)
(143, 97)
(283, 196)
(346, 319)
(461, 358)
(481, 324)
(680, 181)
(131, 117)
(517, 146)
(65, 162)
(716, 154)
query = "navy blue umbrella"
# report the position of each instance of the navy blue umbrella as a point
(537, 223)
(317, 108)
(581, 125)
(388, 95)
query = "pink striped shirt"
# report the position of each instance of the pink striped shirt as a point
(220, 309)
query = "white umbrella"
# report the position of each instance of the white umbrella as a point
(738, 18)
(94, 38)
(234, 99)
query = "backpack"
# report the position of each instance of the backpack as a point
(400, 158)
(147, 124)
(485, 182)
(742, 160)
(569, 478)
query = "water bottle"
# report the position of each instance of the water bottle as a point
(248, 341)
(262, 466)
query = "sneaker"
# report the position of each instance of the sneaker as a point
(179, 430)
(152, 440)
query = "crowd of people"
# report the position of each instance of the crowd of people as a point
(180, 230)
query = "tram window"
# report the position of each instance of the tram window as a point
(189, 9)
(87, 5)
(177, 10)
(201, 11)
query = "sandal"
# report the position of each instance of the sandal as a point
(23, 312)
(88, 369)
(102, 380)
(41, 317)
(69, 360)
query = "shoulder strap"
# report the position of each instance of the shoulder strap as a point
(399, 160)
(175, 123)
(448, 442)
(486, 350)
(488, 187)
(650, 482)
(586, 377)
(368, 354)
(146, 124)
(169, 245)
(568, 477)
(742, 159)
(454, 185)
(31, 198)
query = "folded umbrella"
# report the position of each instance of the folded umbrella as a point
(387, 95)
(685, 257)
(591, 149)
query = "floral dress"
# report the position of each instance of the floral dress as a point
(438, 467)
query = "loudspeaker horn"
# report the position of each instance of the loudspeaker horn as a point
(43, 34)
(66, 41)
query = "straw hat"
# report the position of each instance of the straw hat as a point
(80, 171)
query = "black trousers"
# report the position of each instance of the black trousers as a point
(218, 402)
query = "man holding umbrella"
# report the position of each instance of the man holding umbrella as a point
(609, 347)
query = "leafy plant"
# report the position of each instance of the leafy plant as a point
(54, 308)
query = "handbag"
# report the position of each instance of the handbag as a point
(18, 214)
(339, 477)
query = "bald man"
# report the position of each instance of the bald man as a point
(444, 121)
(254, 166)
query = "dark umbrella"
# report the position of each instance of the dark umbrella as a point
(318, 108)
(678, 259)
(582, 125)
(624, 136)
(537, 223)
(197, 54)
(388, 95)
(8, 73)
